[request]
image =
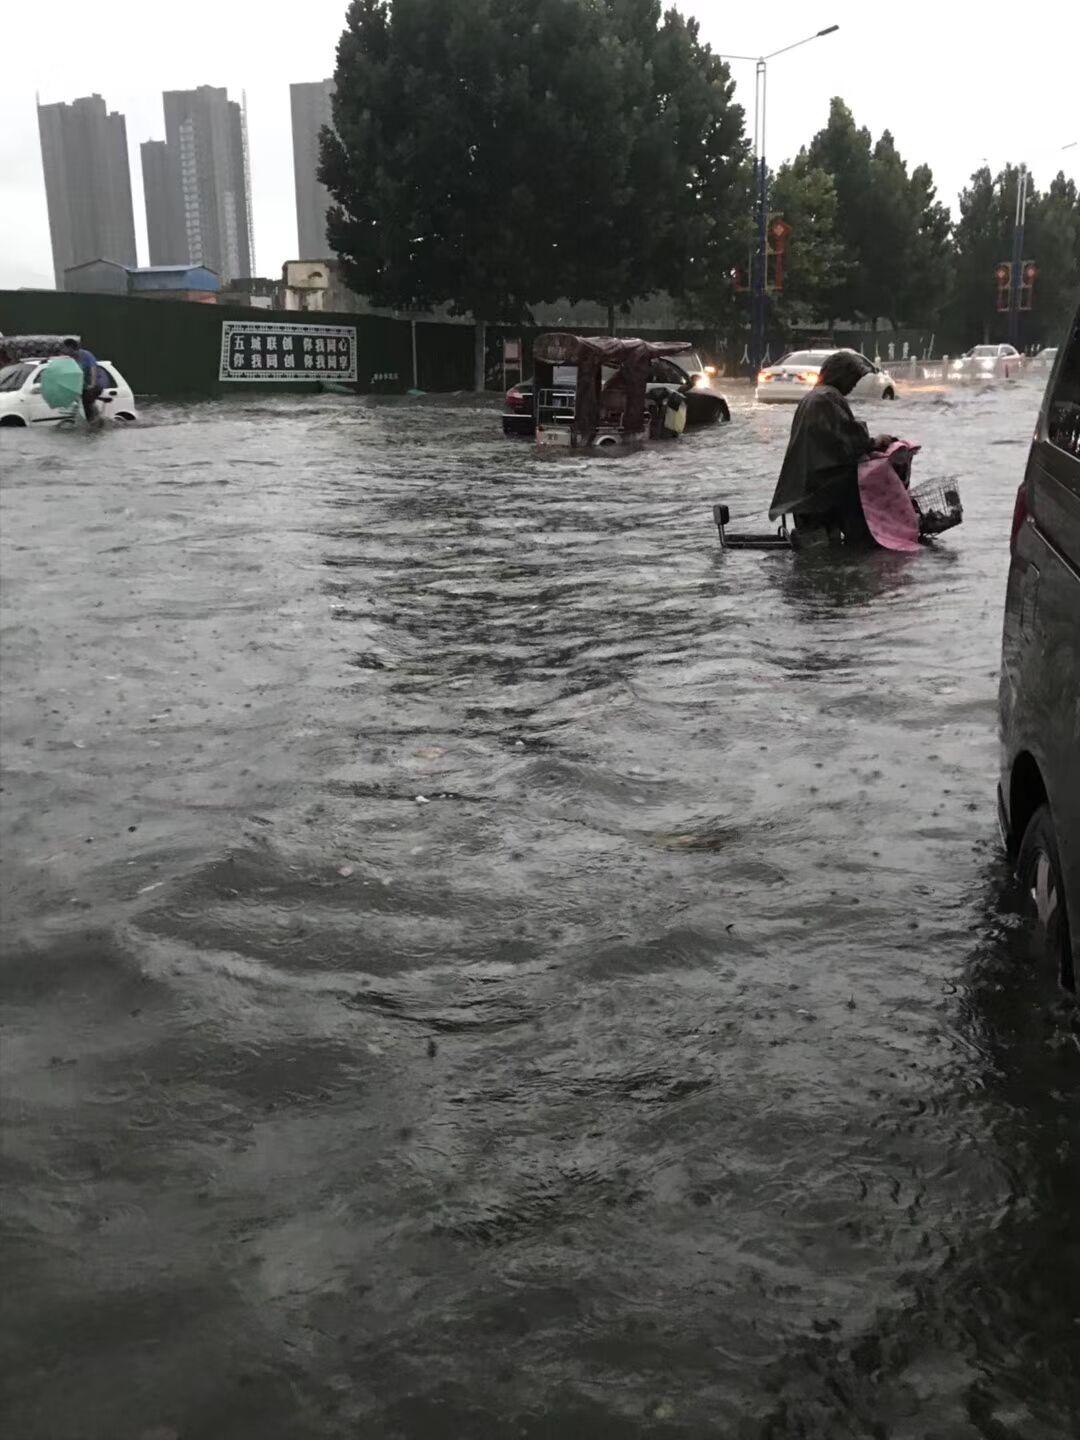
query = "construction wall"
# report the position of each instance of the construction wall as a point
(174, 350)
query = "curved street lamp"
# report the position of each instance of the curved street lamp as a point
(761, 208)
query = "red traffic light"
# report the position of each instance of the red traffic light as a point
(1030, 271)
(1004, 274)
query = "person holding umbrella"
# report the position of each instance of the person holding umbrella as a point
(93, 381)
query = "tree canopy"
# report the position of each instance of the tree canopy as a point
(983, 239)
(889, 242)
(489, 155)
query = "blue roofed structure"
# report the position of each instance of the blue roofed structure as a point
(173, 277)
(108, 277)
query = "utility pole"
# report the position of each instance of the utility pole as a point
(1016, 279)
(760, 276)
(759, 279)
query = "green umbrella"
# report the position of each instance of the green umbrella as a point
(61, 382)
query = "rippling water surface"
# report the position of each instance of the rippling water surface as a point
(481, 963)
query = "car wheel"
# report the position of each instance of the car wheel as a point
(705, 409)
(1038, 867)
(12, 420)
(124, 417)
(888, 394)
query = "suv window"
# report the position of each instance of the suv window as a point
(13, 377)
(1063, 410)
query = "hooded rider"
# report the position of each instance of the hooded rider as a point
(819, 479)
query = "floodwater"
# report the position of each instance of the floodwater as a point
(482, 963)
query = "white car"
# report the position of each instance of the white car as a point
(21, 402)
(1044, 360)
(987, 362)
(795, 375)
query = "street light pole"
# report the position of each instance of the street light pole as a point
(759, 267)
(759, 277)
(1016, 278)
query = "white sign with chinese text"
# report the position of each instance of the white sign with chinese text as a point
(273, 350)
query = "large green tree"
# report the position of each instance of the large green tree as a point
(491, 154)
(1053, 243)
(684, 212)
(893, 233)
(982, 239)
(815, 270)
(931, 263)
(844, 151)
(438, 199)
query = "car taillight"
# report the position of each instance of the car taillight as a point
(763, 375)
(515, 397)
(1020, 512)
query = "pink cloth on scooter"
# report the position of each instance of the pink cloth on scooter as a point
(890, 516)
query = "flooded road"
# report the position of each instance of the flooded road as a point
(479, 962)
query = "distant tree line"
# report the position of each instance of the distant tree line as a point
(492, 155)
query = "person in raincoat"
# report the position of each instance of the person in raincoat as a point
(819, 479)
(93, 380)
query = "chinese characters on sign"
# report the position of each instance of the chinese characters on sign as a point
(254, 350)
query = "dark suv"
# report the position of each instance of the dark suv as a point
(1039, 793)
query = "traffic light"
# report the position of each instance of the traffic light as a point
(1003, 276)
(779, 231)
(1027, 283)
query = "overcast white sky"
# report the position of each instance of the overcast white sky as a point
(948, 77)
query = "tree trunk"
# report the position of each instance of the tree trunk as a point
(480, 357)
(611, 319)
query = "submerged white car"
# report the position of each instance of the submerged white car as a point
(21, 402)
(987, 362)
(795, 375)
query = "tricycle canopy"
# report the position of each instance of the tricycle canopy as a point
(592, 354)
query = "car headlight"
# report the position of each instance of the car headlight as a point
(701, 382)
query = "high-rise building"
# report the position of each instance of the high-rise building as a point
(311, 110)
(198, 207)
(164, 205)
(87, 184)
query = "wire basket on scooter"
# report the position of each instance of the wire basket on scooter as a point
(938, 505)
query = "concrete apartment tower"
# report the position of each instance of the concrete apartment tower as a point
(87, 184)
(311, 110)
(164, 205)
(198, 186)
